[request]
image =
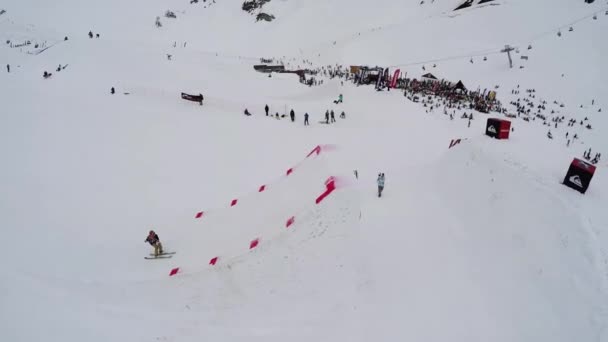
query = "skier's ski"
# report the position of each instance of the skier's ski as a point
(165, 253)
(159, 257)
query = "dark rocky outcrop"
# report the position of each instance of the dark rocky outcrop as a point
(253, 6)
(264, 16)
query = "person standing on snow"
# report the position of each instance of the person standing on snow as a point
(292, 115)
(154, 241)
(333, 116)
(380, 182)
(326, 116)
(266, 109)
(306, 119)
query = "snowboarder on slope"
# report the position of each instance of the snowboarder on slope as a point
(380, 184)
(154, 241)
(339, 100)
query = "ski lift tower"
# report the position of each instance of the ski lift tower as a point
(508, 50)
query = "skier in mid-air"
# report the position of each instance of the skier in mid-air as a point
(154, 240)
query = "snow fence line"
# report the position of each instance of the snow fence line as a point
(315, 152)
(330, 186)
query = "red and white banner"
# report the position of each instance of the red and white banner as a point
(395, 78)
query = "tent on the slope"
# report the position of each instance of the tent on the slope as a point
(459, 87)
(429, 77)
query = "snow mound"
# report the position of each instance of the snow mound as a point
(534, 256)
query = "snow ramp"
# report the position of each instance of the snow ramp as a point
(475, 247)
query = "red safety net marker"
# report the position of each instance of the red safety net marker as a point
(254, 243)
(199, 214)
(316, 150)
(233, 203)
(289, 171)
(213, 261)
(330, 186)
(290, 222)
(262, 188)
(173, 271)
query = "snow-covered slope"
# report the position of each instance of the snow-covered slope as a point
(478, 242)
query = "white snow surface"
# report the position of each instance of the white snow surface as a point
(479, 242)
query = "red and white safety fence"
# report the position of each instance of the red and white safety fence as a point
(315, 152)
(329, 187)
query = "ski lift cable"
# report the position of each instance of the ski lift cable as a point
(466, 55)
(559, 28)
(497, 50)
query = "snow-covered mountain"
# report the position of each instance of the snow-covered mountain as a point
(477, 242)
